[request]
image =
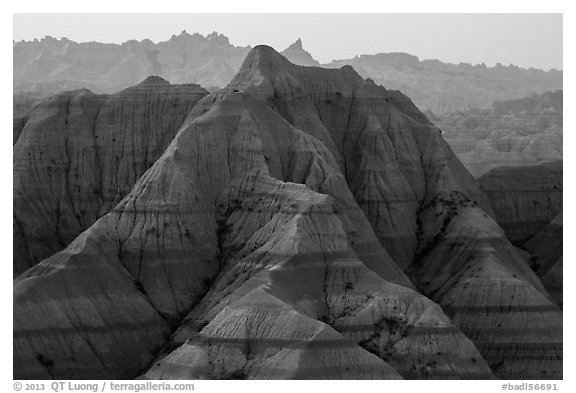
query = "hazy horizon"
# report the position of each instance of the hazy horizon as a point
(524, 40)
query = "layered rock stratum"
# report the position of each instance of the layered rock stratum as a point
(77, 154)
(520, 132)
(546, 250)
(526, 198)
(271, 238)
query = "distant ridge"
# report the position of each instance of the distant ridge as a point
(51, 65)
(446, 87)
(519, 132)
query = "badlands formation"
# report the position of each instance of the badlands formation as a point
(301, 223)
(546, 250)
(444, 88)
(524, 198)
(520, 132)
(77, 154)
(49, 65)
(527, 202)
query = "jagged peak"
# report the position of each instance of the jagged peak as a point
(218, 38)
(298, 55)
(296, 45)
(154, 80)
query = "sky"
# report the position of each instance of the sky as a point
(525, 40)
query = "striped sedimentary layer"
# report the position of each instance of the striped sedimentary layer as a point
(271, 238)
(468, 266)
(295, 301)
(546, 248)
(78, 154)
(79, 314)
(525, 198)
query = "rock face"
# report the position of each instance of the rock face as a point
(524, 199)
(78, 307)
(467, 265)
(78, 154)
(271, 237)
(297, 302)
(546, 250)
(444, 88)
(519, 132)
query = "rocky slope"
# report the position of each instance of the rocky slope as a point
(520, 132)
(270, 238)
(546, 250)
(524, 199)
(444, 88)
(469, 267)
(78, 154)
